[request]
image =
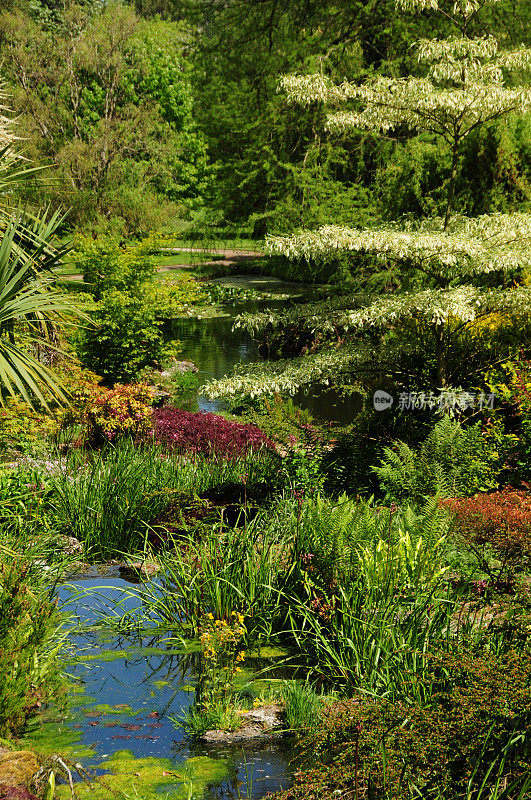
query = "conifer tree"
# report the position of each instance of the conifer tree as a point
(464, 264)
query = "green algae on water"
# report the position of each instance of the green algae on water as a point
(50, 736)
(121, 710)
(271, 652)
(151, 778)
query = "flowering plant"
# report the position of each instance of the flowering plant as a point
(221, 655)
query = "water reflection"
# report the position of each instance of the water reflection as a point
(215, 349)
(135, 686)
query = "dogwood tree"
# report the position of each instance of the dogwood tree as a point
(464, 84)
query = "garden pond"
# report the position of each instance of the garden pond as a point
(129, 691)
(215, 348)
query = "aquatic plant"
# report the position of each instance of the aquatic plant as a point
(376, 639)
(302, 705)
(221, 656)
(227, 570)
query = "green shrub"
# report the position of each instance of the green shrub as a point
(127, 338)
(470, 742)
(453, 460)
(107, 263)
(24, 429)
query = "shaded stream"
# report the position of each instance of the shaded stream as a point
(128, 689)
(215, 349)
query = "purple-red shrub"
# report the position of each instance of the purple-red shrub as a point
(206, 433)
(495, 526)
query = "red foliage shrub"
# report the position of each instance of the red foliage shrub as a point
(206, 433)
(16, 793)
(496, 526)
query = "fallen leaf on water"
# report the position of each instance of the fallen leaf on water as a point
(121, 737)
(155, 725)
(129, 727)
(94, 724)
(153, 715)
(111, 724)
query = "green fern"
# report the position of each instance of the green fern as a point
(453, 460)
(339, 539)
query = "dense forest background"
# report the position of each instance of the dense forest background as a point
(162, 113)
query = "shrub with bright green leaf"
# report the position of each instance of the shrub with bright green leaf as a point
(126, 338)
(106, 263)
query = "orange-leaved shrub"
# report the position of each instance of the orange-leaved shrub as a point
(109, 414)
(496, 528)
(472, 731)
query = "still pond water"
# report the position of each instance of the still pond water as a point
(123, 722)
(215, 349)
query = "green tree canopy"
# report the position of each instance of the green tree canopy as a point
(458, 268)
(106, 96)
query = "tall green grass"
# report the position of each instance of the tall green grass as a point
(107, 499)
(302, 705)
(227, 570)
(31, 634)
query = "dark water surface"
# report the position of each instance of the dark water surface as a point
(132, 687)
(215, 349)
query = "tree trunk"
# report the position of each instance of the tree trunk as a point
(451, 187)
(441, 359)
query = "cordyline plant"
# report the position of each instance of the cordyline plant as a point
(29, 304)
(208, 434)
(462, 86)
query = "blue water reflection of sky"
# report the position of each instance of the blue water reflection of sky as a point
(157, 685)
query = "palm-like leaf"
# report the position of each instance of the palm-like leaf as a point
(27, 297)
(27, 262)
